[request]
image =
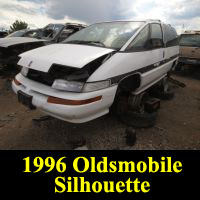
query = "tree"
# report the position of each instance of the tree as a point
(18, 25)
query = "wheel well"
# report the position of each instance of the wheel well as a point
(125, 86)
(130, 83)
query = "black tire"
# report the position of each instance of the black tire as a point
(139, 120)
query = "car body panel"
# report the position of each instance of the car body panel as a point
(122, 63)
(12, 41)
(72, 55)
(189, 55)
(74, 114)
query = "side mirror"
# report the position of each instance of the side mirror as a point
(156, 43)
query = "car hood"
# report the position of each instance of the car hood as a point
(10, 41)
(72, 55)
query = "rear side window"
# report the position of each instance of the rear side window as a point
(171, 38)
(140, 42)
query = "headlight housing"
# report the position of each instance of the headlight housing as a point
(74, 86)
(94, 86)
(24, 71)
(70, 86)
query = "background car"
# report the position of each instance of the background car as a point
(189, 48)
(21, 41)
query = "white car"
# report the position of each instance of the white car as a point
(78, 80)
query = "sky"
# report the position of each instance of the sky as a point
(182, 14)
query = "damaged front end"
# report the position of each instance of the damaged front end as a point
(71, 79)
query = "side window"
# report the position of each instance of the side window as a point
(156, 32)
(140, 42)
(156, 40)
(171, 38)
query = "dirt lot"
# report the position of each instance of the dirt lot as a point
(178, 125)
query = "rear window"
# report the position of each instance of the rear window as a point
(171, 37)
(190, 40)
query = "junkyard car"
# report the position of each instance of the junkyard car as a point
(21, 41)
(190, 48)
(80, 79)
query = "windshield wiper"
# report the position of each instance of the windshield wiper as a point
(74, 42)
(96, 43)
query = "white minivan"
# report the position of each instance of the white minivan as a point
(79, 79)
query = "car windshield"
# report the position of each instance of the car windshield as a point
(110, 34)
(17, 34)
(190, 40)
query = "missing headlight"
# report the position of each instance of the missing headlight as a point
(80, 75)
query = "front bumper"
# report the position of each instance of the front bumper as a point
(189, 61)
(70, 113)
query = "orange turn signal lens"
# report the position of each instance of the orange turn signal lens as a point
(56, 100)
(16, 82)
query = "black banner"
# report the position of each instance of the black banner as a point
(100, 174)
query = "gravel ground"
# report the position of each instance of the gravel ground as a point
(178, 125)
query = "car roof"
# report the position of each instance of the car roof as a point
(75, 24)
(144, 21)
(147, 20)
(190, 32)
(67, 24)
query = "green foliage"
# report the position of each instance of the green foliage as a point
(18, 25)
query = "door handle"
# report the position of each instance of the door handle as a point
(163, 54)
